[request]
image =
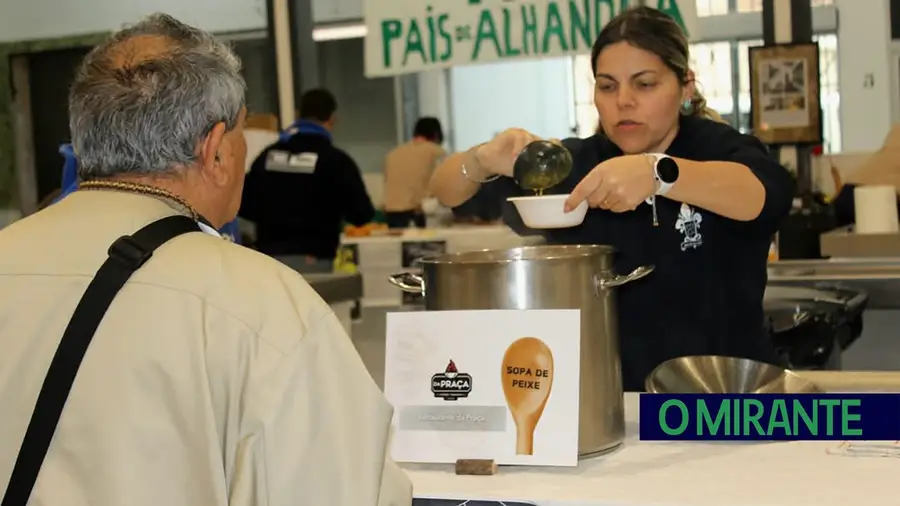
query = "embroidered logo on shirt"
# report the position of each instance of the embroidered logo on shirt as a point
(688, 223)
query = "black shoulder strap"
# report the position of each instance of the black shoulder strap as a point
(126, 255)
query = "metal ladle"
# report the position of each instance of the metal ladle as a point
(542, 165)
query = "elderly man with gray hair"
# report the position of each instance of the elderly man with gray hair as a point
(146, 361)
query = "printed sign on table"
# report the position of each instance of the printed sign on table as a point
(498, 384)
(411, 252)
(405, 36)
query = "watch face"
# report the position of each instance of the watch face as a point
(667, 170)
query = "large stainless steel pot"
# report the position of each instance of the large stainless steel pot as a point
(545, 277)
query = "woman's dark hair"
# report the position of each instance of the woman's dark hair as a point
(656, 32)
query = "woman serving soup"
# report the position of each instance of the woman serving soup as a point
(668, 185)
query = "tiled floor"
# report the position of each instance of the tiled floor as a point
(878, 349)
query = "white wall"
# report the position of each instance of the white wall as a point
(864, 48)
(489, 98)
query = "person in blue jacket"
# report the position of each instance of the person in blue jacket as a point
(230, 231)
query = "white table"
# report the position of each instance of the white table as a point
(683, 474)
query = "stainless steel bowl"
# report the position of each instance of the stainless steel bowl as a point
(708, 374)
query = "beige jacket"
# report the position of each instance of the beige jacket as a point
(218, 376)
(407, 172)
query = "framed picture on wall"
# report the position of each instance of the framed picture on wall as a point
(784, 93)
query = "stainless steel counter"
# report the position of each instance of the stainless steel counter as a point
(335, 288)
(879, 277)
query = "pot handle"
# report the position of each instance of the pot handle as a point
(408, 282)
(604, 283)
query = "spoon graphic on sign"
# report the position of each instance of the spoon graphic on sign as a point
(527, 377)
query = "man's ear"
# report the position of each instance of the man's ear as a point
(209, 154)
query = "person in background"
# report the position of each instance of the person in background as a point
(217, 376)
(669, 186)
(230, 230)
(301, 189)
(407, 171)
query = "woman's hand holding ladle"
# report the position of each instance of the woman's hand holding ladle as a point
(498, 155)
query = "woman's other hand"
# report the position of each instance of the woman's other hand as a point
(498, 155)
(619, 184)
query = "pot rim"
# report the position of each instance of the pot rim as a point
(527, 198)
(508, 255)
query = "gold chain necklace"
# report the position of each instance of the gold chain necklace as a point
(140, 189)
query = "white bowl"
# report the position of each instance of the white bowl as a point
(548, 211)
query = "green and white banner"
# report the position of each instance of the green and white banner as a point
(405, 36)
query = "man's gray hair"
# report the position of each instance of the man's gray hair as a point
(134, 111)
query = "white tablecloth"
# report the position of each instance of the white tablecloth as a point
(683, 474)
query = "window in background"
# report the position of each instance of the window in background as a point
(586, 117)
(748, 6)
(713, 69)
(712, 7)
(831, 93)
(743, 51)
(756, 5)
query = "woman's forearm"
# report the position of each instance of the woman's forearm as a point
(726, 188)
(450, 186)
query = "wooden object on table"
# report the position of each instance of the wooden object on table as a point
(476, 467)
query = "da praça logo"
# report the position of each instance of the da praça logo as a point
(774, 417)
(451, 384)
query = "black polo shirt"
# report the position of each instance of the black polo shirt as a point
(300, 198)
(705, 295)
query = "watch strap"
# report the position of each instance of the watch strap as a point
(662, 187)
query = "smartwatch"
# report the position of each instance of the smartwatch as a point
(665, 169)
